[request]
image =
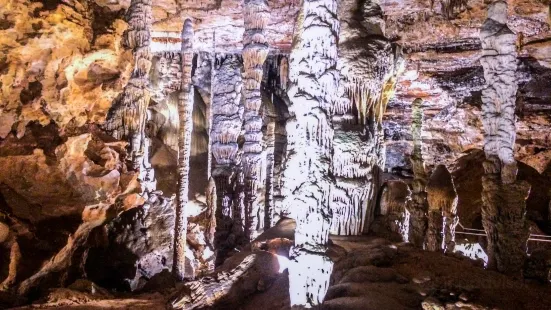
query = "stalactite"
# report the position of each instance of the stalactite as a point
(369, 65)
(313, 80)
(503, 197)
(255, 51)
(226, 128)
(165, 76)
(417, 205)
(185, 111)
(165, 83)
(128, 117)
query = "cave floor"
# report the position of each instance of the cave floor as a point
(369, 273)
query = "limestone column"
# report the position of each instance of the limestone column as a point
(255, 51)
(313, 81)
(128, 117)
(417, 206)
(185, 111)
(503, 197)
(364, 90)
(226, 128)
(269, 138)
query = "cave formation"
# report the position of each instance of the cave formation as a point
(263, 154)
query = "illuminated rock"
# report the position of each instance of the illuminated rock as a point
(313, 81)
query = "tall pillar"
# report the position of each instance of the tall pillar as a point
(185, 111)
(255, 51)
(313, 81)
(270, 116)
(226, 128)
(417, 206)
(364, 89)
(128, 117)
(503, 197)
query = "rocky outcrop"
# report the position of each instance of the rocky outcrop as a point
(127, 252)
(228, 286)
(58, 65)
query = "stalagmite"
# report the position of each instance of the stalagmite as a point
(211, 211)
(417, 205)
(270, 119)
(442, 217)
(255, 51)
(128, 116)
(503, 197)
(226, 128)
(392, 204)
(368, 64)
(185, 111)
(312, 90)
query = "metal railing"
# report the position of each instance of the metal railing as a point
(481, 232)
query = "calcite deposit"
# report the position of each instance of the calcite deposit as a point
(279, 154)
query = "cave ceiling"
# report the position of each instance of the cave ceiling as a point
(442, 47)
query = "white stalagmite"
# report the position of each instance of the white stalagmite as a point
(255, 51)
(503, 197)
(312, 90)
(185, 111)
(127, 119)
